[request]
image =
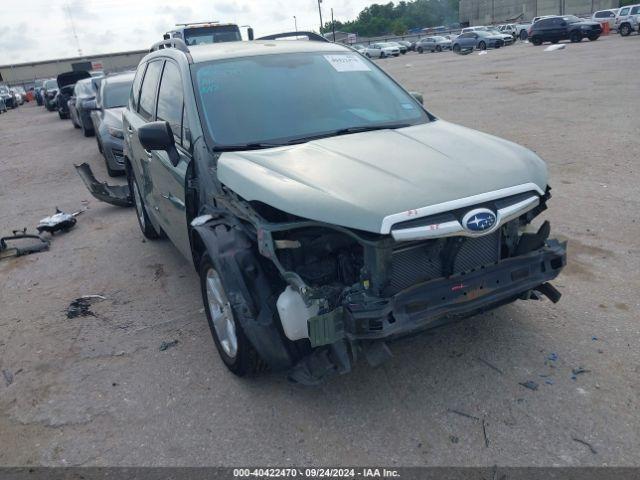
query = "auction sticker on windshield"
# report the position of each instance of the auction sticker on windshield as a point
(347, 63)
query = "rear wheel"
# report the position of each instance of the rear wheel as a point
(523, 35)
(438, 48)
(382, 55)
(482, 45)
(147, 228)
(536, 41)
(575, 36)
(456, 48)
(593, 38)
(420, 50)
(555, 40)
(234, 348)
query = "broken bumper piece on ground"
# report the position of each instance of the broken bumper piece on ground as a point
(119, 195)
(21, 243)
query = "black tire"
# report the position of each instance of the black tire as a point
(246, 359)
(593, 38)
(147, 228)
(523, 35)
(575, 37)
(86, 132)
(367, 55)
(420, 50)
(456, 48)
(536, 41)
(438, 48)
(61, 115)
(555, 40)
(482, 45)
(111, 171)
(625, 30)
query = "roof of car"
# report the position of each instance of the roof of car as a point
(226, 50)
(119, 77)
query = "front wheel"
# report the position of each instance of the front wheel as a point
(147, 228)
(420, 50)
(625, 30)
(482, 46)
(438, 48)
(234, 348)
(456, 48)
(593, 38)
(537, 41)
(382, 55)
(575, 37)
(523, 35)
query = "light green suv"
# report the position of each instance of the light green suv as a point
(325, 210)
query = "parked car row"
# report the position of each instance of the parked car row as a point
(94, 103)
(12, 97)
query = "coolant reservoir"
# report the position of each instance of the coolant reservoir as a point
(294, 314)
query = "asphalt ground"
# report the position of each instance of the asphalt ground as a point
(97, 390)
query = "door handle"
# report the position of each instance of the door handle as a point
(130, 130)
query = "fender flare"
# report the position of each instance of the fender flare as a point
(248, 288)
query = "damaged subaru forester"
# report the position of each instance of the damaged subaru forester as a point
(326, 210)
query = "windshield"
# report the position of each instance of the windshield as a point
(116, 94)
(286, 98)
(204, 35)
(51, 84)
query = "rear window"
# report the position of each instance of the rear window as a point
(147, 104)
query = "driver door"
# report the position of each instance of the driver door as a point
(169, 179)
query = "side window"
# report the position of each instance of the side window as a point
(135, 88)
(170, 99)
(634, 11)
(147, 104)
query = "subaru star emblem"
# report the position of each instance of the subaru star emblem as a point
(481, 220)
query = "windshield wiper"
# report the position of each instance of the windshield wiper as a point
(347, 131)
(246, 146)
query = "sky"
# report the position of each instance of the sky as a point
(41, 29)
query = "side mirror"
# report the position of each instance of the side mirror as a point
(418, 97)
(250, 33)
(90, 104)
(158, 136)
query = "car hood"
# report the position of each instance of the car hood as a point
(357, 180)
(113, 116)
(70, 78)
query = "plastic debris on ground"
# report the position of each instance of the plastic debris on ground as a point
(484, 52)
(8, 377)
(21, 243)
(166, 345)
(81, 307)
(58, 221)
(579, 370)
(553, 357)
(530, 384)
(553, 48)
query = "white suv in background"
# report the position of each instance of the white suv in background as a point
(627, 19)
(609, 16)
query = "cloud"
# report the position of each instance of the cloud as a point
(106, 26)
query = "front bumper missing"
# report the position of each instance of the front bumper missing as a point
(433, 303)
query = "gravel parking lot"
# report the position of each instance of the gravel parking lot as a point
(97, 390)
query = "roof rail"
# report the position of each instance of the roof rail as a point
(312, 36)
(196, 23)
(170, 43)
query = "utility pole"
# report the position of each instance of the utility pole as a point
(295, 23)
(320, 12)
(333, 27)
